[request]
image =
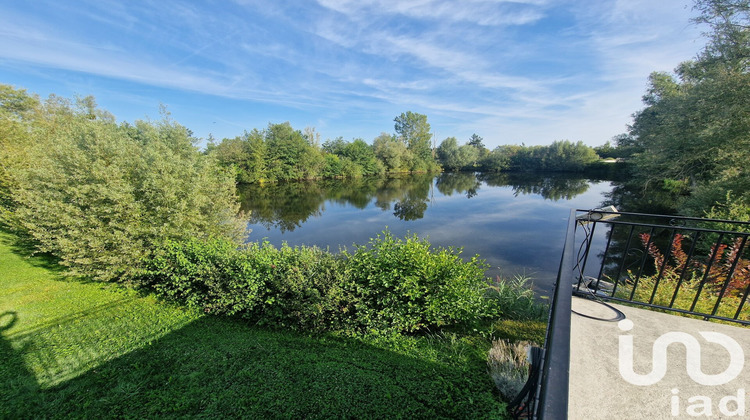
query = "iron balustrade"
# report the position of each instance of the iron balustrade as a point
(690, 265)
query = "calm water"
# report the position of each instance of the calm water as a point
(515, 222)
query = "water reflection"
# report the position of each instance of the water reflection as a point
(458, 183)
(551, 187)
(287, 206)
(516, 222)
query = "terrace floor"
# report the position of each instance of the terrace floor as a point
(599, 391)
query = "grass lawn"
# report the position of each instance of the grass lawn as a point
(70, 348)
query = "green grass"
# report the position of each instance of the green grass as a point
(685, 298)
(85, 350)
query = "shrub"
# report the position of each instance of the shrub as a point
(513, 298)
(508, 366)
(388, 285)
(302, 288)
(100, 196)
(294, 288)
(213, 275)
(404, 285)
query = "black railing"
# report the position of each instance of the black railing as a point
(699, 267)
(546, 392)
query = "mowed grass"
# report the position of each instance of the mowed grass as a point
(72, 349)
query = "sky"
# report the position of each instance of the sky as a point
(513, 72)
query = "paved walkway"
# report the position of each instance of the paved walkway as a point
(687, 390)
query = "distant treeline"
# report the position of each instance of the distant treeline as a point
(282, 153)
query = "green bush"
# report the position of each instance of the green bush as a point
(302, 288)
(405, 285)
(213, 275)
(101, 196)
(293, 288)
(400, 285)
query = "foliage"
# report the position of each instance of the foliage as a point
(302, 290)
(393, 153)
(512, 298)
(18, 110)
(293, 288)
(725, 258)
(77, 350)
(290, 156)
(476, 142)
(362, 155)
(281, 153)
(508, 365)
(454, 157)
(406, 286)
(676, 280)
(391, 284)
(562, 156)
(211, 275)
(696, 123)
(101, 196)
(414, 131)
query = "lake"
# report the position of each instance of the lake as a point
(516, 222)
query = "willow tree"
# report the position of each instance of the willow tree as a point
(103, 196)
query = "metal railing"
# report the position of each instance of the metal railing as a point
(699, 267)
(689, 265)
(546, 392)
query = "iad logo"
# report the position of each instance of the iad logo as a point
(702, 405)
(693, 356)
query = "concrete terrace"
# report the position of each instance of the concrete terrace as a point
(599, 391)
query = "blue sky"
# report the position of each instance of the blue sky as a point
(530, 71)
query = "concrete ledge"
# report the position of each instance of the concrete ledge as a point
(598, 390)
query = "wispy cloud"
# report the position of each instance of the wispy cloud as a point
(481, 12)
(533, 70)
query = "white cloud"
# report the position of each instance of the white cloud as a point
(481, 12)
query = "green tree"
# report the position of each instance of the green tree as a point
(362, 154)
(102, 196)
(414, 130)
(468, 156)
(447, 154)
(290, 156)
(18, 113)
(693, 136)
(497, 160)
(393, 153)
(477, 142)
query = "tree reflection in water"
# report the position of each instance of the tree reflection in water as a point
(287, 206)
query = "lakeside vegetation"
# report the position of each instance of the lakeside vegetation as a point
(70, 348)
(140, 205)
(690, 145)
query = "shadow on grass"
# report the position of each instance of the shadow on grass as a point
(18, 385)
(25, 247)
(220, 367)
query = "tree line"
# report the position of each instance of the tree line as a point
(282, 153)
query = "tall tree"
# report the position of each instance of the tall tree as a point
(476, 141)
(414, 130)
(694, 133)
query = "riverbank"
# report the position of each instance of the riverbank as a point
(71, 348)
